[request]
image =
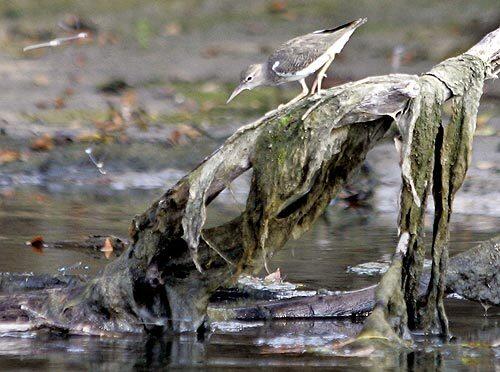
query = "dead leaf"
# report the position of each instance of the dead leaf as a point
(278, 6)
(211, 52)
(37, 243)
(41, 80)
(172, 29)
(273, 277)
(108, 246)
(42, 143)
(8, 156)
(40, 198)
(175, 137)
(189, 131)
(182, 133)
(59, 103)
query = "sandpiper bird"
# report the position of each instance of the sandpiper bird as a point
(297, 59)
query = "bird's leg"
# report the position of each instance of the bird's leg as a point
(305, 92)
(315, 84)
(321, 75)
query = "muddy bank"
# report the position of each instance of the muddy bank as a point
(148, 92)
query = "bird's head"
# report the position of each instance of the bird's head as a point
(250, 78)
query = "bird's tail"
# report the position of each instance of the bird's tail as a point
(352, 25)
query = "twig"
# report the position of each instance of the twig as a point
(56, 42)
(99, 165)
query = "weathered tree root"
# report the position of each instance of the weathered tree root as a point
(165, 278)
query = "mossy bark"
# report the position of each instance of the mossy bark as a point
(435, 156)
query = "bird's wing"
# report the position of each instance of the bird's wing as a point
(305, 54)
(296, 56)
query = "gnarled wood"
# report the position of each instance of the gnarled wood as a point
(165, 278)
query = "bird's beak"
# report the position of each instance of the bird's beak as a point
(240, 88)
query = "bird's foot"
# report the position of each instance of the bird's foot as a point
(272, 112)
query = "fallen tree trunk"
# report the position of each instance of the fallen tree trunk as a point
(472, 274)
(300, 157)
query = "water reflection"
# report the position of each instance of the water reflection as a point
(270, 344)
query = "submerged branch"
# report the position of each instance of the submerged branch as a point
(471, 274)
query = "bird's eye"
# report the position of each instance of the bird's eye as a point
(249, 78)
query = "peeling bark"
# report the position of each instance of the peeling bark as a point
(165, 278)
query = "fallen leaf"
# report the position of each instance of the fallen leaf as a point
(37, 243)
(41, 80)
(40, 198)
(108, 246)
(59, 103)
(172, 29)
(278, 6)
(211, 52)
(189, 131)
(175, 137)
(183, 132)
(42, 143)
(8, 156)
(274, 277)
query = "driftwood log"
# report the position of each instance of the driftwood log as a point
(473, 274)
(300, 158)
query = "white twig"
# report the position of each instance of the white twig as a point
(99, 165)
(56, 42)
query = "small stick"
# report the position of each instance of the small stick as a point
(56, 42)
(99, 165)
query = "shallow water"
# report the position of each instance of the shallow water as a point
(321, 258)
